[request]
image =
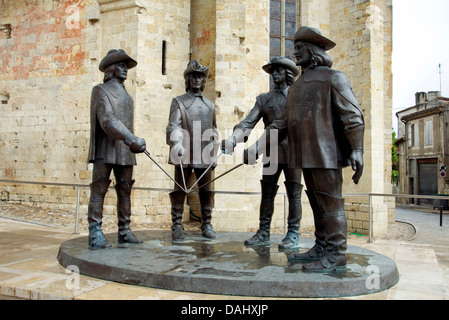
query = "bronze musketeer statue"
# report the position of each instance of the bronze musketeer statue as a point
(325, 128)
(191, 130)
(269, 107)
(112, 147)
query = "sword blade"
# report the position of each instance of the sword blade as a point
(221, 175)
(208, 168)
(182, 173)
(151, 158)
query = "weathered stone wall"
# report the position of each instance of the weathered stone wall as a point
(56, 48)
(45, 72)
(363, 31)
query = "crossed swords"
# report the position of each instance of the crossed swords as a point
(183, 178)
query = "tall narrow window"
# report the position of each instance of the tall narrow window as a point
(290, 27)
(410, 135)
(164, 53)
(415, 137)
(428, 133)
(282, 27)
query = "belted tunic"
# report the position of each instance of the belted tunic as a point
(194, 116)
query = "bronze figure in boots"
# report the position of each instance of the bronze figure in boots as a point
(270, 107)
(191, 134)
(112, 147)
(325, 128)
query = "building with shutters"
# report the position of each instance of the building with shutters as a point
(423, 147)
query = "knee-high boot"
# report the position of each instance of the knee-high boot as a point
(123, 190)
(335, 231)
(98, 190)
(207, 205)
(294, 190)
(317, 251)
(269, 191)
(177, 208)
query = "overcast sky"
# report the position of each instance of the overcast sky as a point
(420, 44)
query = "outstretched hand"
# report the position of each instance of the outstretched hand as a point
(227, 146)
(250, 155)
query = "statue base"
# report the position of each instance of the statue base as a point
(226, 266)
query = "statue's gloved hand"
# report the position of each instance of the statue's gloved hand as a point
(138, 146)
(250, 155)
(227, 146)
(178, 151)
(356, 159)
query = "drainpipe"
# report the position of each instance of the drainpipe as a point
(406, 155)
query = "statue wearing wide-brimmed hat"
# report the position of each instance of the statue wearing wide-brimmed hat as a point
(269, 107)
(115, 56)
(112, 147)
(190, 131)
(197, 67)
(325, 128)
(283, 62)
(314, 36)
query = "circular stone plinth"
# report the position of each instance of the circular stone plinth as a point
(226, 266)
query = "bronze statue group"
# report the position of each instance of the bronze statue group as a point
(314, 125)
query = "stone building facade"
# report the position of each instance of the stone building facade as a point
(50, 51)
(423, 150)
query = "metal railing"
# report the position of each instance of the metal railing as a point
(369, 195)
(79, 186)
(78, 192)
(413, 196)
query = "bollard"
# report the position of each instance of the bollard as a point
(441, 214)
